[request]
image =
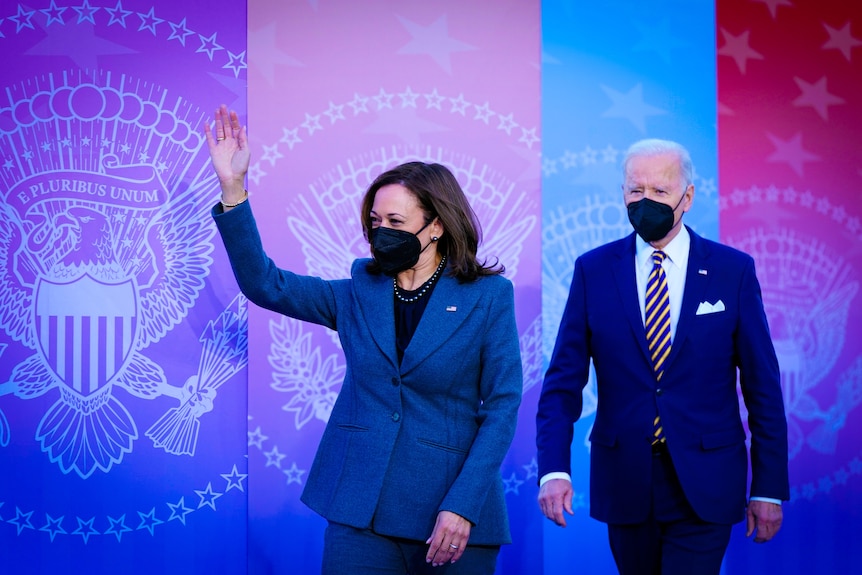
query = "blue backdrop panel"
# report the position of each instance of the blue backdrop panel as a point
(612, 74)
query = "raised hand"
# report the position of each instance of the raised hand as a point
(228, 146)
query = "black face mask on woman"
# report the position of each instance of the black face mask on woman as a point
(652, 220)
(396, 250)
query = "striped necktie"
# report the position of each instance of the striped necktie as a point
(657, 325)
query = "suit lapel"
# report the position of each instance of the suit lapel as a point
(448, 307)
(627, 284)
(696, 278)
(376, 301)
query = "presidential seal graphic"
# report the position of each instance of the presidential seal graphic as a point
(104, 247)
(810, 288)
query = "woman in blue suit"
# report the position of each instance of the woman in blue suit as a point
(407, 472)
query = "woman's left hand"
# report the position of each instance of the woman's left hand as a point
(229, 152)
(448, 540)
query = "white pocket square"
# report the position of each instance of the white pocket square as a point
(705, 307)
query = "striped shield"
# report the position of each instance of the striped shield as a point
(86, 330)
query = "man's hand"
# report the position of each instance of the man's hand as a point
(555, 496)
(764, 520)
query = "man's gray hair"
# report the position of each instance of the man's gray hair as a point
(656, 147)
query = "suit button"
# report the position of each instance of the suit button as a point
(659, 391)
(396, 416)
(395, 381)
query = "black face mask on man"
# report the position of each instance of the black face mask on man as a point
(651, 220)
(396, 250)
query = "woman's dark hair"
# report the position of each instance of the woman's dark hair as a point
(440, 196)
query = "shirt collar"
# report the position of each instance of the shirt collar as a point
(676, 251)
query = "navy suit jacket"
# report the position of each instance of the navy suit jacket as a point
(697, 399)
(402, 442)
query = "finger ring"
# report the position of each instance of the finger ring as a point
(453, 546)
(220, 139)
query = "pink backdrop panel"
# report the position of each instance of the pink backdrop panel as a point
(339, 92)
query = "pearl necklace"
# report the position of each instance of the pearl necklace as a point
(425, 287)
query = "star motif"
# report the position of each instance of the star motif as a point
(528, 137)
(383, 100)
(236, 62)
(118, 15)
(256, 438)
(737, 48)
(312, 123)
(512, 485)
(255, 173)
(434, 41)
(290, 137)
(88, 46)
(791, 152)
(118, 527)
(149, 521)
(179, 511)
(549, 168)
(54, 14)
(588, 156)
(208, 45)
(294, 474)
(609, 154)
(179, 32)
(125, 148)
(630, 106)
(532, 469)
(271, 155)
(22, 19)
(268, 55)
(149, 21)
(85, 529)
(46, 146)
(53, 527)
(358, 104)
(506, 124)
(143, 157)
(483, 113)
(408, 98)
(234, 479)
(459, 105)
(335, 113)
(838, 39)
(658, 37)
(434, 100)
(208, 496)
(27, 155)
(8, 164)
(569, 159)
(86, 12)
(85, 141)
(273, 457)
(774, 4)
(816, 96)
(579, 501)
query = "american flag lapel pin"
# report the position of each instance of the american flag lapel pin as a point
(451, 308)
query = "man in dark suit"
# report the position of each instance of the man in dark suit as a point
(668, 319)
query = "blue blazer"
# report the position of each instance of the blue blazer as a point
(402, 442)
(697, 399)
